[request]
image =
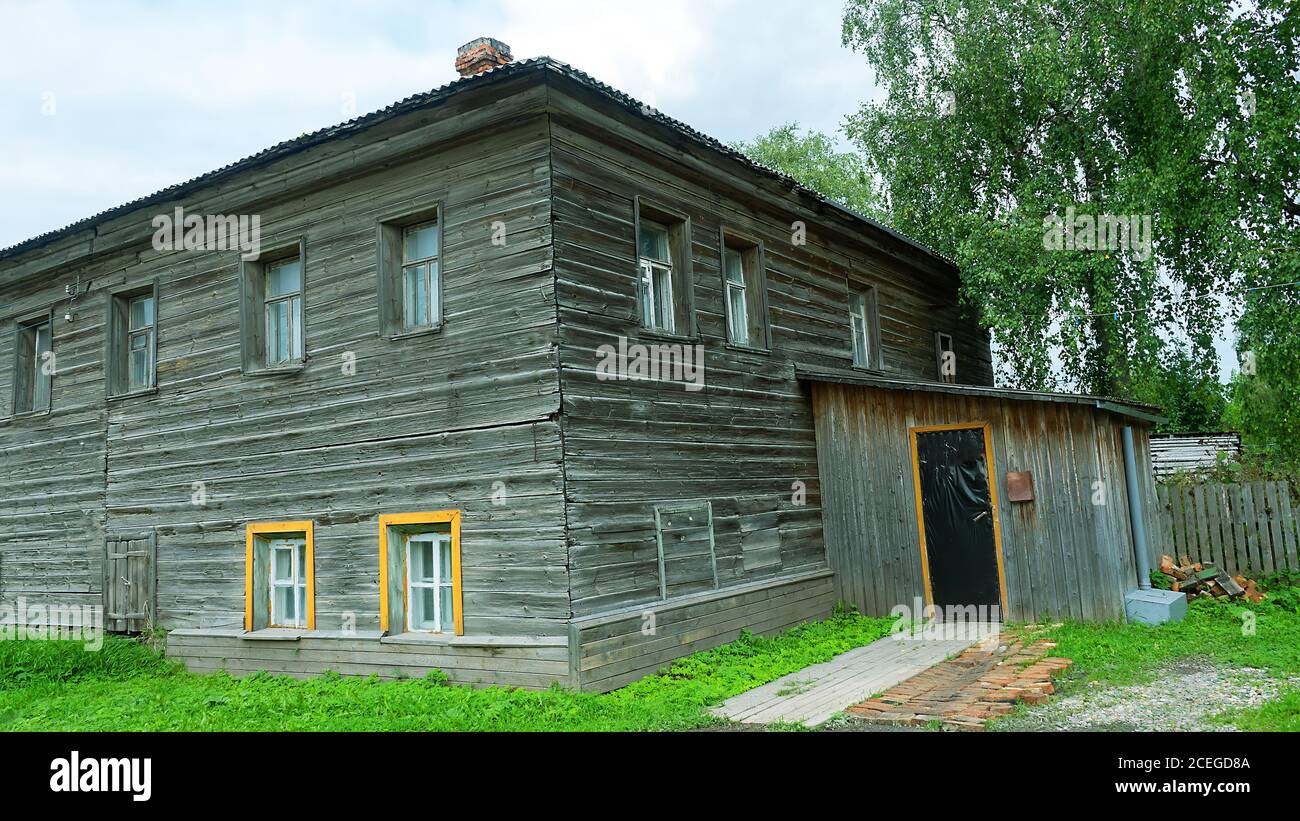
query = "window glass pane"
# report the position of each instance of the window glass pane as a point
(424, 569)
(444, 606)
(737, 316)
(300, 610)
(284, 278)
(733, 266)
(139, 372)
(285, 613)
(420, 242)
(277, 332)
(282, 564)
(141, 311)
(295, 324)
(427, 610)
(302, 562)
(663, 299)
(654, 241)
(859, 341)
(444, 556)
(416, 301)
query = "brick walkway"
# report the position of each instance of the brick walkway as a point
(963, 693)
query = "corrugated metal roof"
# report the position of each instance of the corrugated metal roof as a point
(1146, 413)
(438, 95)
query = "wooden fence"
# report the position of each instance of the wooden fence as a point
(1245, 528)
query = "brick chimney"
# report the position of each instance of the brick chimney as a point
(477, 56)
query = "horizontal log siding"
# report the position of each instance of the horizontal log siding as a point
(532, 667)
(426, 423)
(612, 650)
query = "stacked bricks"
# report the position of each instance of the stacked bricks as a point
(963, 693)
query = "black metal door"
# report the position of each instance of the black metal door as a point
(958, 517)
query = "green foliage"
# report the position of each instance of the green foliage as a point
(59, 686)
(999, 114)
(813, 160)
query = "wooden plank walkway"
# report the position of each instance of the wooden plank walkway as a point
(812, 695)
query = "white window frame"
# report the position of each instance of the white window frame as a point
(861, 329)
(737, 327)
(427, 266)
(294, 312)
(439, 585)
(144, 332)
(657, 306)
(297, 580)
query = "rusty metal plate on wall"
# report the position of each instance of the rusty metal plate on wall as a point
(1020, 486)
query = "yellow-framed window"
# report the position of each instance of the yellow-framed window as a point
(419, 572)
(279, 575)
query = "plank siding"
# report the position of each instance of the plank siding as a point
(1064, 555)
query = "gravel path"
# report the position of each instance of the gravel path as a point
(1183, 696)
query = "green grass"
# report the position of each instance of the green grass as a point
(1214, 630)
(1119, 654)
(1280, 715)
(127, 686)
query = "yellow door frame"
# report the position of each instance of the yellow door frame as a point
(993, 501)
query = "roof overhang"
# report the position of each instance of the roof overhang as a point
(1132, 410)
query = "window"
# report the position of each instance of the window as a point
(133, 341)
(34, 369)
(429, 582)
(684, 537)
(283, 310)
(279, 578)
(744, 295)
(663, 270)
(945, 357)
(410, 280)
(864, 319)
(420, 572)
(272, 317)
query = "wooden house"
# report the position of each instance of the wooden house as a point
(529, 383)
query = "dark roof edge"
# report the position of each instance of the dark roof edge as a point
(1134, 410)
(417, 101)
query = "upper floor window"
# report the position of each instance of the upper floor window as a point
(133, 341)
(283, 308)
(663, 270)
(744, 298)
(410, 280)
(420, 291)
(34, 369)
(945, 357)
(271, 312)
(864, 319)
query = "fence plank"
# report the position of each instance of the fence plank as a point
(1246, 528)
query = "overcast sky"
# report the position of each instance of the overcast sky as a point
(101, 103)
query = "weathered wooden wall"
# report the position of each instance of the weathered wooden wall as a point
(1064, 556)
(745, 443)
(425, 423)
